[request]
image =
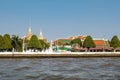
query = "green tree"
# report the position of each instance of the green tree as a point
(17, 43)
(34, 43)
(44, 45)
(115, 42)
(1, 43)
(89, 43)
(7, 42)
(76, 41)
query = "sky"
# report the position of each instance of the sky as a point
(61, 18)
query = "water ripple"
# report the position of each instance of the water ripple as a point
(22, 68)
(60, 69)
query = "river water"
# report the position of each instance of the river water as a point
(60, 69)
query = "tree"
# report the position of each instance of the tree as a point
(7, 42)
(76, 41)
(115, 42)
(44, 44)
(1, 43)
(89, 43)
(17, 43)
(34, 43)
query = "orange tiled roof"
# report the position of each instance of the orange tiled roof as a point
(99, 42)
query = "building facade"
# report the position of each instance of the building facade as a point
(101, 44)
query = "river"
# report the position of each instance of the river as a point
(60, 69)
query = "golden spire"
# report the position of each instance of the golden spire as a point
(29, 34)
(41, 36)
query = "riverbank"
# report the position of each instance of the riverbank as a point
(58, 55)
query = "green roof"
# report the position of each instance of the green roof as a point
(64, 40)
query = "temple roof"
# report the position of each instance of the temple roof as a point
(29, 35)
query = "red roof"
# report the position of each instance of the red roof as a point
(99, 42)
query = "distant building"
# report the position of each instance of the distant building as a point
(72, 37)
(102, 44)
(41, 36)
(66, 41)
(82, 38)
(62, 41)
(62, 44)
(29, 35)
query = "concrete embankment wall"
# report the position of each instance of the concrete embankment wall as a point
(58, 55)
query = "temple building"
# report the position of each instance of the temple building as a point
(41, 36)
(102, 44)
(29, 35)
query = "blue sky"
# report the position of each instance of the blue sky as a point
(61, 18)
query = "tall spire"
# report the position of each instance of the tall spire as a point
(41, 36)
(30, 25)
(29, 31)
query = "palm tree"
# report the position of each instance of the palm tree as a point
(17, 43)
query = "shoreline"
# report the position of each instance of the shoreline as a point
(58, 55)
